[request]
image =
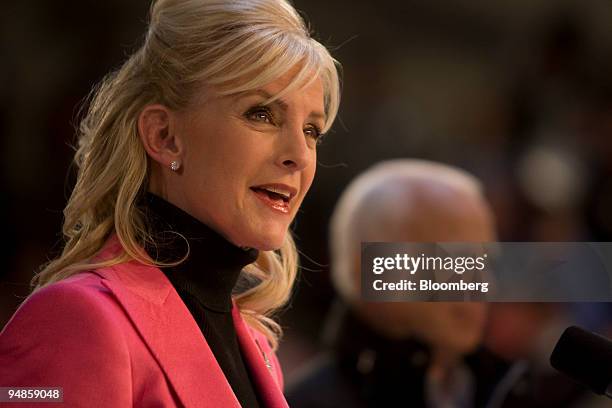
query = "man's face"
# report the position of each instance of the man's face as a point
(454, 327)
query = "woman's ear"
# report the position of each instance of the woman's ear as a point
(157, 131)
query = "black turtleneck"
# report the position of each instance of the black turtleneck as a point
(204, 281)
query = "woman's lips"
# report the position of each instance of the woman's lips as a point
(276, 204)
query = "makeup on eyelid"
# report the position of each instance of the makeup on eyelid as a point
(271, 119)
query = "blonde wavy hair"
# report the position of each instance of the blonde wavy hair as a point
(235, 45)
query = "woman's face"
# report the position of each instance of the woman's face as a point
(246, 166)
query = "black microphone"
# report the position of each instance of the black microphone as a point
(585, 357)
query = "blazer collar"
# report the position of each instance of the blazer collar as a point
(175, 340)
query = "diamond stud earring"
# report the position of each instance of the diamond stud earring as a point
(174, 166)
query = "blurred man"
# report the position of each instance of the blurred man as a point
(387, 354)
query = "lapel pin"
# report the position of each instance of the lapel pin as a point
(265, 356)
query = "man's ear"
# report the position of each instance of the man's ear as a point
(157, 131)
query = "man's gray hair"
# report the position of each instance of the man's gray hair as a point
(377, 205)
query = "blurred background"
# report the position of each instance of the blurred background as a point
(519, 92)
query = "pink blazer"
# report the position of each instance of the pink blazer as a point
(122, 337)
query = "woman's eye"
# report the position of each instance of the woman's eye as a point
(313, 132)
(260, 114)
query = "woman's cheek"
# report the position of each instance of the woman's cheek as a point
(310, 176)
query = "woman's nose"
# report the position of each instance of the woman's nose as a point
(295, 154)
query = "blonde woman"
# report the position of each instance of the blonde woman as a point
(193, 160)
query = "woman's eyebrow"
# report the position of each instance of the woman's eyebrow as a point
(266, 95)
(317, 115)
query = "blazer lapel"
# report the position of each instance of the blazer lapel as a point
(168, 329)
(170, 332)
(259, 364)
(174, 338)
